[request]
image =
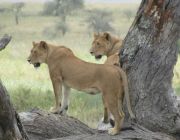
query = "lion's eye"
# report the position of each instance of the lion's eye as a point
(33, 52)
(98, 43)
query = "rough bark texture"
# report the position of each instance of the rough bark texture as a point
(10, 124)
(149, 55)
(41, 125)
(128, 135)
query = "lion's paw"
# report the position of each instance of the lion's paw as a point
(63, 112)
(113, 131)
(54, 110)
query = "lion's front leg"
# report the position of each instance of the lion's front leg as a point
(57, 86)
(65, 100)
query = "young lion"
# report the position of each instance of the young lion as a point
(106, 44)
(71, 72)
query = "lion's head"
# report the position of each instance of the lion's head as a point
(101, 44)
(38, 53)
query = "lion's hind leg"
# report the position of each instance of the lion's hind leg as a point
(106, 112)
(121, 111)
(112, 105)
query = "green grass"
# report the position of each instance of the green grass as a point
(31, 88)
(176, 78)
(25, 98)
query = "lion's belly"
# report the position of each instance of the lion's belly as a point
(85, 87)
(92, 91)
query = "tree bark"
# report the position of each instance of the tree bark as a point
(148, 56)
(41, 125)
(10, 124)
(4, 41)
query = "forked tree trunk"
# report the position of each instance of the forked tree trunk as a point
(149, 55)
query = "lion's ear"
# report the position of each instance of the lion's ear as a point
(107, 36)
(96, 35)
(43, 45)
(34, 43)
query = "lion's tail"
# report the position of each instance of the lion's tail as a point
(126, 90)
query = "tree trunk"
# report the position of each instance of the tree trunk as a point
(148, 56)
(16, 18)
(10, 124)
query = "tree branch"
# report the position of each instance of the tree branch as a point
(4, 41)
(42, 125)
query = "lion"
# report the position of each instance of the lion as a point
(68, 71)
(108, 45)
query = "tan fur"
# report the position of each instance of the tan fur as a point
(71, 72)
(108, 45)
(113, 60)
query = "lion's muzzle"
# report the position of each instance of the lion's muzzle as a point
(98, 57)
(36, 65)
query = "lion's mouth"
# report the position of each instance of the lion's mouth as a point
(98, 57)
(36, 65)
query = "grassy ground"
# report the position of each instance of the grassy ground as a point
(31, 88)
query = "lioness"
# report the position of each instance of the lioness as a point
(71, 72)
(106, 44)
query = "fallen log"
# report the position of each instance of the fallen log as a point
(124, 136)
(42, 125)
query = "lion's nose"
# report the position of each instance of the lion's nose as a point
(29, 60)
(91, 52)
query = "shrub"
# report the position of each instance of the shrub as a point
(60, 29)
(100, 21)
(49, 8)
(129, 13)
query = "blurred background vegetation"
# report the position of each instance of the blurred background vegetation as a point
(67, 22)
